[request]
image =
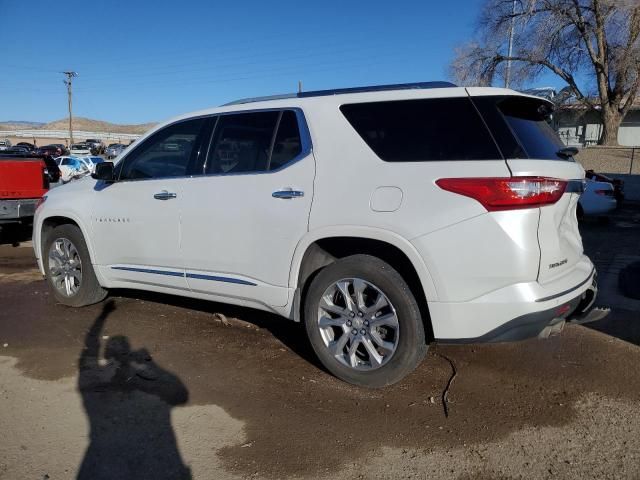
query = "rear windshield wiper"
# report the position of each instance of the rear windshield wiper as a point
(567, 152)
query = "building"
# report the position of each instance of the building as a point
(580, 127)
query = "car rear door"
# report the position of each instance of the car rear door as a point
(532, 149)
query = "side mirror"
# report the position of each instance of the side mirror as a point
(104, 171)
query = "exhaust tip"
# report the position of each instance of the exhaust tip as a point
(554, 328)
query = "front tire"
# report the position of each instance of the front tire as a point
(363, 322)
(68, 268)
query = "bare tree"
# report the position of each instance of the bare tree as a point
(597, 40)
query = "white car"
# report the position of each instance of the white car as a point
(384, 218)
(91, 162)
(72, 167)
(80, 149)
(598, 199)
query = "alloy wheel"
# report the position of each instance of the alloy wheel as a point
(358, 324)
(65, 267)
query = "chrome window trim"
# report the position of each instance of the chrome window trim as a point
(305, 143)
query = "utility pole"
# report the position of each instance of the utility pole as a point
(507, 77)
(299, 86)
(67, 81)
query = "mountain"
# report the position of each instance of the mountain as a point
(79, 123)
(19, 125)
(88, 124)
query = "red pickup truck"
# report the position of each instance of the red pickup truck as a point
(24, 179)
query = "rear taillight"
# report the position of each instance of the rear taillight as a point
(507, 193)
(604, 192)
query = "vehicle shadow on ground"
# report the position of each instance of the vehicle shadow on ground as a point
(604, 239)
(289, 333)
(11, 234)
(622, 324)
(128, 399)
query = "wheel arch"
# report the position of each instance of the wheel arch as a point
(45, 225)
(324, 247)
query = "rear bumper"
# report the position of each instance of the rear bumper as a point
(17, 210)
(538, 324)
(515, 312)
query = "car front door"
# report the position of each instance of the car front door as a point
(243, 218)
(136, 219)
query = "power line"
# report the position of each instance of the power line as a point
(209, 63)
(186, 79)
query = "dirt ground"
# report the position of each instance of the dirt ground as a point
(154, 386)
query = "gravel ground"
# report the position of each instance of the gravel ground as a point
(154, 386)
(614, 160)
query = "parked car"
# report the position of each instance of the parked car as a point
(114, 150)
(4, 144)
(383, 218)
(52, 150)
(17, 149)
(598, 199)
(72, 168)
(96, 146)
(91, 162)
(24, 179)
(29, 146)
(63, 148)
(618, 185)
(80, 149)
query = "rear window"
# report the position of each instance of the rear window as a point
(422, 130)
(528, 119)
(521, 126)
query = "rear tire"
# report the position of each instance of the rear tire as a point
(373, 338)
(68, 268)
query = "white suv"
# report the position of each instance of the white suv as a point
(382, 217)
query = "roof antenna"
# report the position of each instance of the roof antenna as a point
(299, 86)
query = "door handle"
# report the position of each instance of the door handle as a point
(164, 195)
(287, 193)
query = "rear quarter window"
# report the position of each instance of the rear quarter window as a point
(422, 130)
(528, 119)
(521, 126)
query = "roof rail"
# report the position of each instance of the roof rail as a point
(377, 88)
(260, 99)
(343, 91)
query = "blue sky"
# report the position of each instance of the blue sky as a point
(141, 61)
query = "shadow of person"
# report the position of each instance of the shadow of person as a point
(128, 399)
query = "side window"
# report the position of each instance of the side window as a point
(167, 153)
(241, 143)
(287, 144)
(422, 130)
